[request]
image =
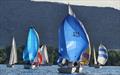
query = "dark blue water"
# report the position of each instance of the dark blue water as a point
(52, 70)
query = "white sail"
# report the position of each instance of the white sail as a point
(70, 12)
(13, 54)
(102, 55)
(94, 53)
(44, 54)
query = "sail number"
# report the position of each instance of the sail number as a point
(76, 34)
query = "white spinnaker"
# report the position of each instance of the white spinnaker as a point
(94, 3)
(13, 54)
(44, 54)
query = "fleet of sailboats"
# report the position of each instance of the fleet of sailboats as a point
(74, 48)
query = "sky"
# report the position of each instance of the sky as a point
(98, 3)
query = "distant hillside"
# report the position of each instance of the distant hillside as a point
(102, 24)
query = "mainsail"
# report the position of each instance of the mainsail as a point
(72, 38)
(32, 46)
(102, 55)
(13, 54)
(94, 55)
(44, 54)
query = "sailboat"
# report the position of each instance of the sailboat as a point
(41, 58)
(38, 59)
(44, 55)
(102, 55)
(85, 58)
(13, 54)
(73, 41)
(31, 48)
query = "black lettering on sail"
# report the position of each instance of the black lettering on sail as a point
(76, 34)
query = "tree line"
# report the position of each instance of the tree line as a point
(113, 59)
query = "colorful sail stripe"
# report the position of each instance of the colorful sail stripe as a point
(84, 60)
(86, 55)
(102, 49)
(103, 55)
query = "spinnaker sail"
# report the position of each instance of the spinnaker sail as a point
(102, 55)
(38, 59)
(32, 46)
(72, 39)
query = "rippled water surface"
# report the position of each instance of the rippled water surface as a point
(52, 70)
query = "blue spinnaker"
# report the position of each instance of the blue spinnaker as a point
(32, 45)
(72, 39)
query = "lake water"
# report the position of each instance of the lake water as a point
(52, 70)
